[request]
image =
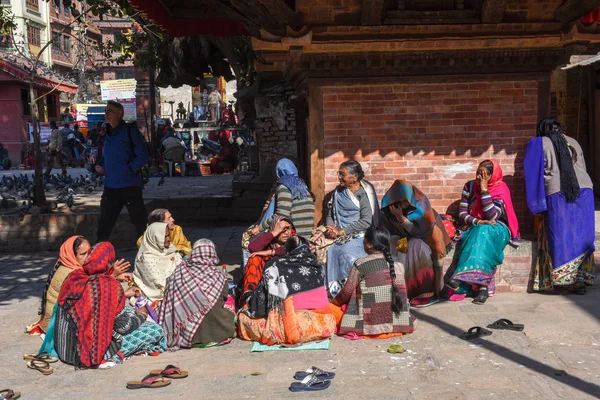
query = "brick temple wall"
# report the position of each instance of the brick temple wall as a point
(433, 135)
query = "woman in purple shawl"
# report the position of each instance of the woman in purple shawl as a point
(558, 187)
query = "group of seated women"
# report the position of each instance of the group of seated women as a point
(358, 275)
(96, 314)
(373, 259)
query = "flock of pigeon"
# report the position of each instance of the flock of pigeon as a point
(15, 188)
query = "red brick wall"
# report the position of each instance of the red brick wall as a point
(432, 135)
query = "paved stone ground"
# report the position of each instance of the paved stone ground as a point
(562, 334)
(173, 187)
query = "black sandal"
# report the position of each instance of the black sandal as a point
(474, 333)
(481, 297)
(506, 324)
(579, 289)
(453, 284)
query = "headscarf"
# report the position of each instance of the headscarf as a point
(288, 176)
(423, 217)
(403, 190)
(93, 298)
(154, 263)
(569, 185)
(190, 293)
(66, 258)
(500, 192)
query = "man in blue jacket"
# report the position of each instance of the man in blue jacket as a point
(125, 153)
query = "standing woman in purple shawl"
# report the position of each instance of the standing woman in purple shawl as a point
(558, 187)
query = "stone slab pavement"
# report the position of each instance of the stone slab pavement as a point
(197, 187)
(556, 357)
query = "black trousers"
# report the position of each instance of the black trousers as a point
(111, 205)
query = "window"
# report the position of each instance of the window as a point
(4, 2)
(32, 5)
(57, 4)
(67, 45)
(33, 35)
(25, 102)
(66, 11)
(124, 74)
(5, 42)
(56, 45)
(52, 106)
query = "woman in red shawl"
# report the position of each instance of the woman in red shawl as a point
(93, 325)
(263, 247)
(487, 211)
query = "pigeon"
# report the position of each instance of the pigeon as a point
(161, 181)
(70, 201)
(23, 210)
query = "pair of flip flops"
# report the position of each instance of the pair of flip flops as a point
(156, 378)
(311, 380)
(9, 394)
(501, 324)
(40, 362)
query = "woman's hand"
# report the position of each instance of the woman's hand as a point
(120, 266)
(333, 232)
(133, 292)
(486, 222)
(280, 227)
(483, 178)
(254, 231)
(125, 277)
(397, 212)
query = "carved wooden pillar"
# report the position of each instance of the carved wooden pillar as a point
(459, 4)
(401, 5)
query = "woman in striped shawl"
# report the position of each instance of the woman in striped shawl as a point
(195, 307)
(487, 211)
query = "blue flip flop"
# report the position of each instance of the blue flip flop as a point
(318, 372)
(309, 384)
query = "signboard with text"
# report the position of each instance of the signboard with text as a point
(118, 89)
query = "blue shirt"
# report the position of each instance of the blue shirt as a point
(123, 157)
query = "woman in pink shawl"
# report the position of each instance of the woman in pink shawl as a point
(487, 211)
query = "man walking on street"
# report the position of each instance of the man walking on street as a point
(124, 154)
(54, 150)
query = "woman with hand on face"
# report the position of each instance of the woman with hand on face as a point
(263, 247)
(487, 211)
(352, 209)
(407, 213)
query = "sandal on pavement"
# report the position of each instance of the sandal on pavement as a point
(481, 297)
(318, 372)
(149, 382)
(42, 356)
(171, 372)
(8, 394)
(506, 325)
(41, 366)
(474, 332)
(309, 384)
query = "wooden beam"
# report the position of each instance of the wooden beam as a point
(572, 10)
(372, 12)
(492, 11)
